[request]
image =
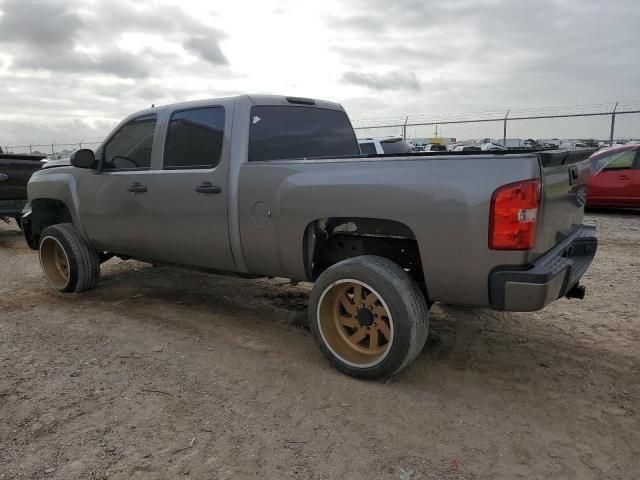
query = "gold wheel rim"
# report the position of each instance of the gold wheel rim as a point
(355, 323)
(54, 261)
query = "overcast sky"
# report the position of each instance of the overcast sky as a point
(71, 69)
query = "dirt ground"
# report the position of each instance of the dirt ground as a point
(162, 373)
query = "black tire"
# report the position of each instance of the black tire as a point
(395, 291)
(82, 261)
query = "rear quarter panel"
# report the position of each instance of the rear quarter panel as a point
(445, 201)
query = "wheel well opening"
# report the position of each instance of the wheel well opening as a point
(46, 212)
(328, 241)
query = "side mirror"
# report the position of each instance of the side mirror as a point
(83, 158)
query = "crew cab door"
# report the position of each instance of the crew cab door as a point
(611, 183)
(115, 202)
(190, 191)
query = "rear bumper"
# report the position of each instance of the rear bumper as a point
(552, 275)
(11, 208)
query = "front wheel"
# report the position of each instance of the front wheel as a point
(69, 263)
(368, 316)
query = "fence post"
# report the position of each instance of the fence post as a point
(504, 130)
(53, 152)
(404, 128)
(613, 123)
(30, 148)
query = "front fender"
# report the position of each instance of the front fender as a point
(59, 184)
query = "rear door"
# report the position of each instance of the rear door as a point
(190, 191)
(611, 180)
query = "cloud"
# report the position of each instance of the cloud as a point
(64, 36)
(383, 81)
(116, 62)
(68, 60)
(43, 24)
(206, 48)
(490, 54)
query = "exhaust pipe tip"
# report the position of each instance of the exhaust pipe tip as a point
(576, 292)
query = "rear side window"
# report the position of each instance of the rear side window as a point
(282, 132)
(130, 147)
(194, 139)
(368, 148)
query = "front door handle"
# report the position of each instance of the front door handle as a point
(624, 177)
(137, 188)
(207, 187)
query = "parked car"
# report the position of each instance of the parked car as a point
(466, 148)
(276, 186)
(492, 146)
(615, 178)
(384, 146)
(15, 171)
(435, 147)
(573, 145)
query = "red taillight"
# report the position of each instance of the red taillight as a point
(514, 215)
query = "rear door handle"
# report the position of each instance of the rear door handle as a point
(207, 187)
(137, 188)
(624, 177)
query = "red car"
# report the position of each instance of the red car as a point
(615, 178)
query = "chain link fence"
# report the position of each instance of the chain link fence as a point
(602, 123)
(50, 150)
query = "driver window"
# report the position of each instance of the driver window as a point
(130, 147)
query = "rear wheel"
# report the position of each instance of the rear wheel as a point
(69, 263)
(368, 316)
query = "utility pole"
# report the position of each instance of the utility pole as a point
(613, 123)
(504, 130)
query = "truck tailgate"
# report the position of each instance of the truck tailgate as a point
(565, 176)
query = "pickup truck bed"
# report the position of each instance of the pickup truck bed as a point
(276, 186)
(445, 207)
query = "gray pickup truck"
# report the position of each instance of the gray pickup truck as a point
(277, 186)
